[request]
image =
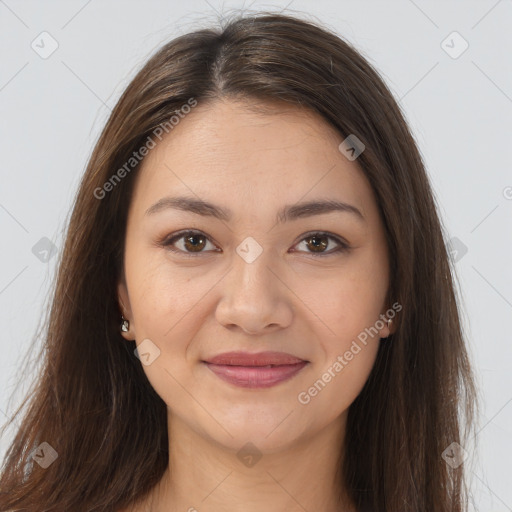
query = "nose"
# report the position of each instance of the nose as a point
(255, 297)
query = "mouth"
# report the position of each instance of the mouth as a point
(260, 370)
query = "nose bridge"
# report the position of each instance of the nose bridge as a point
(253, 298)
(251, 269)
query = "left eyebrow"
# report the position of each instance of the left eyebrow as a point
(286, 214)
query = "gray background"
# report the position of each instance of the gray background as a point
(460, 110)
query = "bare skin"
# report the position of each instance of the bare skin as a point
(291, 299)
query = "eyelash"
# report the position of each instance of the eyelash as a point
(168, 241)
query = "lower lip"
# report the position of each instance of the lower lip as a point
(256, 376)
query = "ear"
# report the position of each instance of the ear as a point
(388, 329)
(124, 306)
(393, 326)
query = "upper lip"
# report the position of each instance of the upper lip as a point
(254, 359)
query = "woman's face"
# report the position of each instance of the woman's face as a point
(248, 280)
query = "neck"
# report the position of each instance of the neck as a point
(204, 476)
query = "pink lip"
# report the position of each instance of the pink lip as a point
(254, 359)
(261, 370)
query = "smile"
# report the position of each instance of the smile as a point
(255, 370)
(256, 376)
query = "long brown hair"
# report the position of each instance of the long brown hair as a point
(93, 403)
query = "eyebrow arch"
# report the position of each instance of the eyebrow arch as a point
(287, 213)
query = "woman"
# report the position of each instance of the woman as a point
(254, 307)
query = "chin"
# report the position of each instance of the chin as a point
(268, 436)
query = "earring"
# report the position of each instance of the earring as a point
(125, 325)
(389, 322)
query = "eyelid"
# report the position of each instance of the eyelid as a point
(167, 241)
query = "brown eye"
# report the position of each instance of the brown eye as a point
(317, 244)
(195, 243)
(188, 242)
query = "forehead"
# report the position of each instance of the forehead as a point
(245, 154)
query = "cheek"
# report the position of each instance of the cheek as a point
(351, 300)
(168, 307)
(165, 316)
(339, 382)
(159, 295)
(349, 306)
